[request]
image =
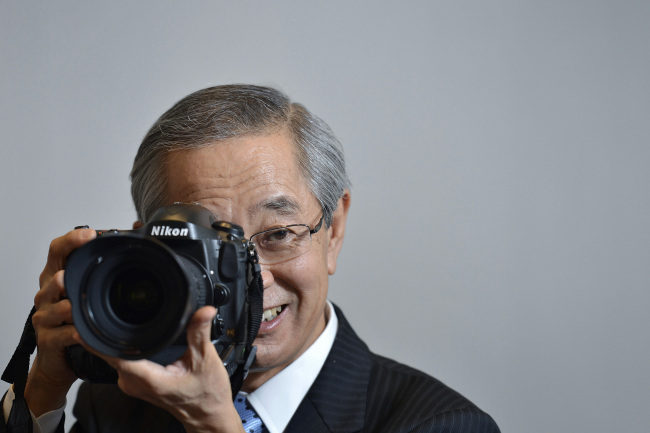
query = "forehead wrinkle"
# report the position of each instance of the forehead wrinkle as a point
(227, 176)
(282, 204)
(230, 180)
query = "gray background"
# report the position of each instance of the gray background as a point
(498, 237)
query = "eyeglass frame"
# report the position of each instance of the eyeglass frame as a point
(313, 231)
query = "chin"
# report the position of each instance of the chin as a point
(269, 357)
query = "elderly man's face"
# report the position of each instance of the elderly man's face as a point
(254, 181)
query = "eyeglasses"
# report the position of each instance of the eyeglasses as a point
(281, 244)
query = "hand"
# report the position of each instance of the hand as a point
(50, 377)
(195, 388)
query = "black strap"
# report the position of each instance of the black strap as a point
(255, 294)
(18, 367)
(20, 419)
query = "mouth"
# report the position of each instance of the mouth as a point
(272, 313)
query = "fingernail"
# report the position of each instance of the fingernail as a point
(87, 233)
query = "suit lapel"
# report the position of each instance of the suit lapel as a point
(307, 419)
(336, 402)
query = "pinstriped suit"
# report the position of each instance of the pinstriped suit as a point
(356, 391)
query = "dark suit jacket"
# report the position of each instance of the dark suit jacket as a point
(356, 391)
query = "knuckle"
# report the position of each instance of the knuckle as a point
(42, 278)
(38, 299)
(53, 249)
(37, 319)
(126, 387)
(58, 278)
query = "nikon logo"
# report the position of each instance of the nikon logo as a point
(168, 231)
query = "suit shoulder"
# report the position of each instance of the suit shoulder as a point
(402, 398)
(396, 381)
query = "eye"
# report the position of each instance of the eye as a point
(278, 238)
(278, 235)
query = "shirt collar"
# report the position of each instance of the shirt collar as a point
(294, 380)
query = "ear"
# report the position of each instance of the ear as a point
(337, 231)
(137, 225)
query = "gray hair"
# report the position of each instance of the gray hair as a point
(218, 113)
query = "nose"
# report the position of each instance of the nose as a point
(267, 278)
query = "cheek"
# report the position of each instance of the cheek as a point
(320, 249)
(305, 275)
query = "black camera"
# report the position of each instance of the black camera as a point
(134, 291)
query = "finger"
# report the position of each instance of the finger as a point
(142, 368)
(57, 314)
(138, 378)
(199, 332)
(61, 247)
(51, 292)
(57, 338)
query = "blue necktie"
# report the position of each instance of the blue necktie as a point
(249, 419)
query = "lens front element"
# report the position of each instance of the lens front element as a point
(136, 296)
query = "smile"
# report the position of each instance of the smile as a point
(271, 313)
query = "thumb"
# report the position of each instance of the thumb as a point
(199, 331)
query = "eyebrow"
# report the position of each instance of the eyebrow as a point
(282, 205)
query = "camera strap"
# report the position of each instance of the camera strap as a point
(20, 419)
(255, 294)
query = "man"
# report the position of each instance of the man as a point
(251, 157)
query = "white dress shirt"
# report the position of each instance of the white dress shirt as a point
(276, 408)
(46, 423)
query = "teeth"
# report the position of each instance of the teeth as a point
(271, 313)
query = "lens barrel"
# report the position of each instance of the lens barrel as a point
(132, 296)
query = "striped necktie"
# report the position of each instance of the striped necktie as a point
(249, 419)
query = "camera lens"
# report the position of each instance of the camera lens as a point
(132, 296)
(135, 296)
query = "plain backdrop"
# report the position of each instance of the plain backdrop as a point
(499, 152)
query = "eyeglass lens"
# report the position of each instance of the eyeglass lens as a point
(283, 243)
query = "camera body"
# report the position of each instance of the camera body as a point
(134, 291)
